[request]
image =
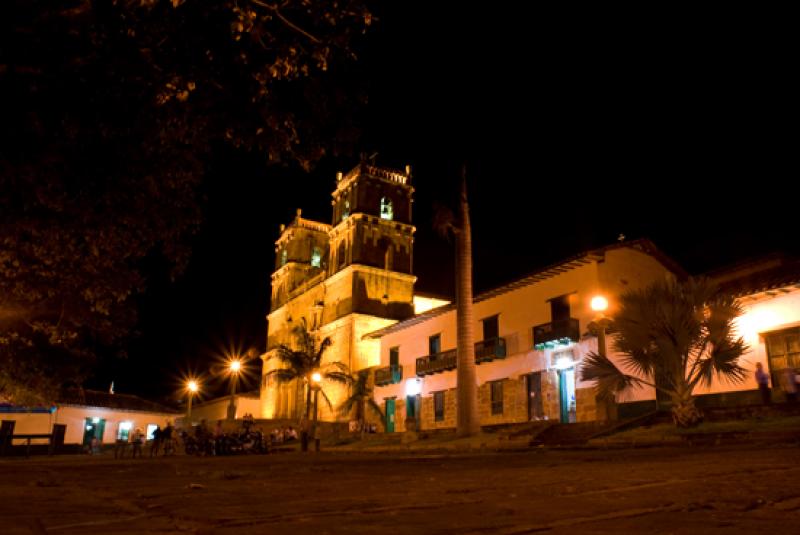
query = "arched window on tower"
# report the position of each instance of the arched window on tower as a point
(346, 211)
(284, 257)
(386, 209)
(316, 257)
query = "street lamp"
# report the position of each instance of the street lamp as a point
(191, 388)
(598, 326)
(600, 304)
(234, 368)
(316, 384)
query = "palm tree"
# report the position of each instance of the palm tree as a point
(672, 336)
(361, 398)
(299, 365)
(467, 423)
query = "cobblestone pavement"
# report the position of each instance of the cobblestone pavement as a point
(708, 490)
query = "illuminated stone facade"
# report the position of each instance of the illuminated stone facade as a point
(342, 280)
(531, 336)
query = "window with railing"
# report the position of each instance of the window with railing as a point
(434, 344)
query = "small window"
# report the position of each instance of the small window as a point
(491, 330)
(386, 209)
(316, 257)
(559, 308)
(124, 430)
(284, 257)
(497, 397)
(435, 344)
(394, 356)
(346, 211)
(151, 428)
(438, 406)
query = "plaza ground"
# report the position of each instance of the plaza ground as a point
(713, 489)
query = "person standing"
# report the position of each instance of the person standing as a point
(762, 378)
(156, 443)
(138, 440)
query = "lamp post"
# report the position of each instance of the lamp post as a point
(599, 305)
(316, 384)
(191, 388)
(234, 367)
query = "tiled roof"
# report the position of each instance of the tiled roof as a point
(644, 245)
(773, 277)
(96, 398)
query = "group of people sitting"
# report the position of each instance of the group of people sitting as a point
(280, 435)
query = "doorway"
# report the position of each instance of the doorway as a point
(93, 428)
(534, 387)
(566, 395)
(390, 415)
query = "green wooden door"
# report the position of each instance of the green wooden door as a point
(390, 416)
(93, 429)
(566, 395)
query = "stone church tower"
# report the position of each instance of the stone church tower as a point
(342, 280)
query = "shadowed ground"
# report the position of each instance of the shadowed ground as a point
(742, 489)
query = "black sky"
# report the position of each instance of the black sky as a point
(575, 127)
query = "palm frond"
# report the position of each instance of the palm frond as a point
(325, 344)
(372, 404)
(723, 362)
(347, 406)
(608, 379)
(326, 399)
(281, 375)
(444, 221)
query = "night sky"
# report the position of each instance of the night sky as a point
(575, 127)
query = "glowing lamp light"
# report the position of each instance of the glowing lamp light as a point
(192, 386)
(316, 377)
(599, 303)
(754, 322)
(413, 387)
(235, 366)
(564, 363)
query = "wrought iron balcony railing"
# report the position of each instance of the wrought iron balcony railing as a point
(488, 350)
(556, 332)
(440, 362)
(485, 351)
(388, 375)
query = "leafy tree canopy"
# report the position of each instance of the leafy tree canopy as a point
(110, 110)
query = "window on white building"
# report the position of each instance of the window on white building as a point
(124, 430)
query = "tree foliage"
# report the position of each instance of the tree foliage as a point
(362, 399)
(110, 111)
(298, 363)
(671, 336)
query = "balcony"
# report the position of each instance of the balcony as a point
(440, 362)
(388, 375)
(488, 350)
(548, 335)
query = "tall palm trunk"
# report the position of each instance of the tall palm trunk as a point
(467, 386)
